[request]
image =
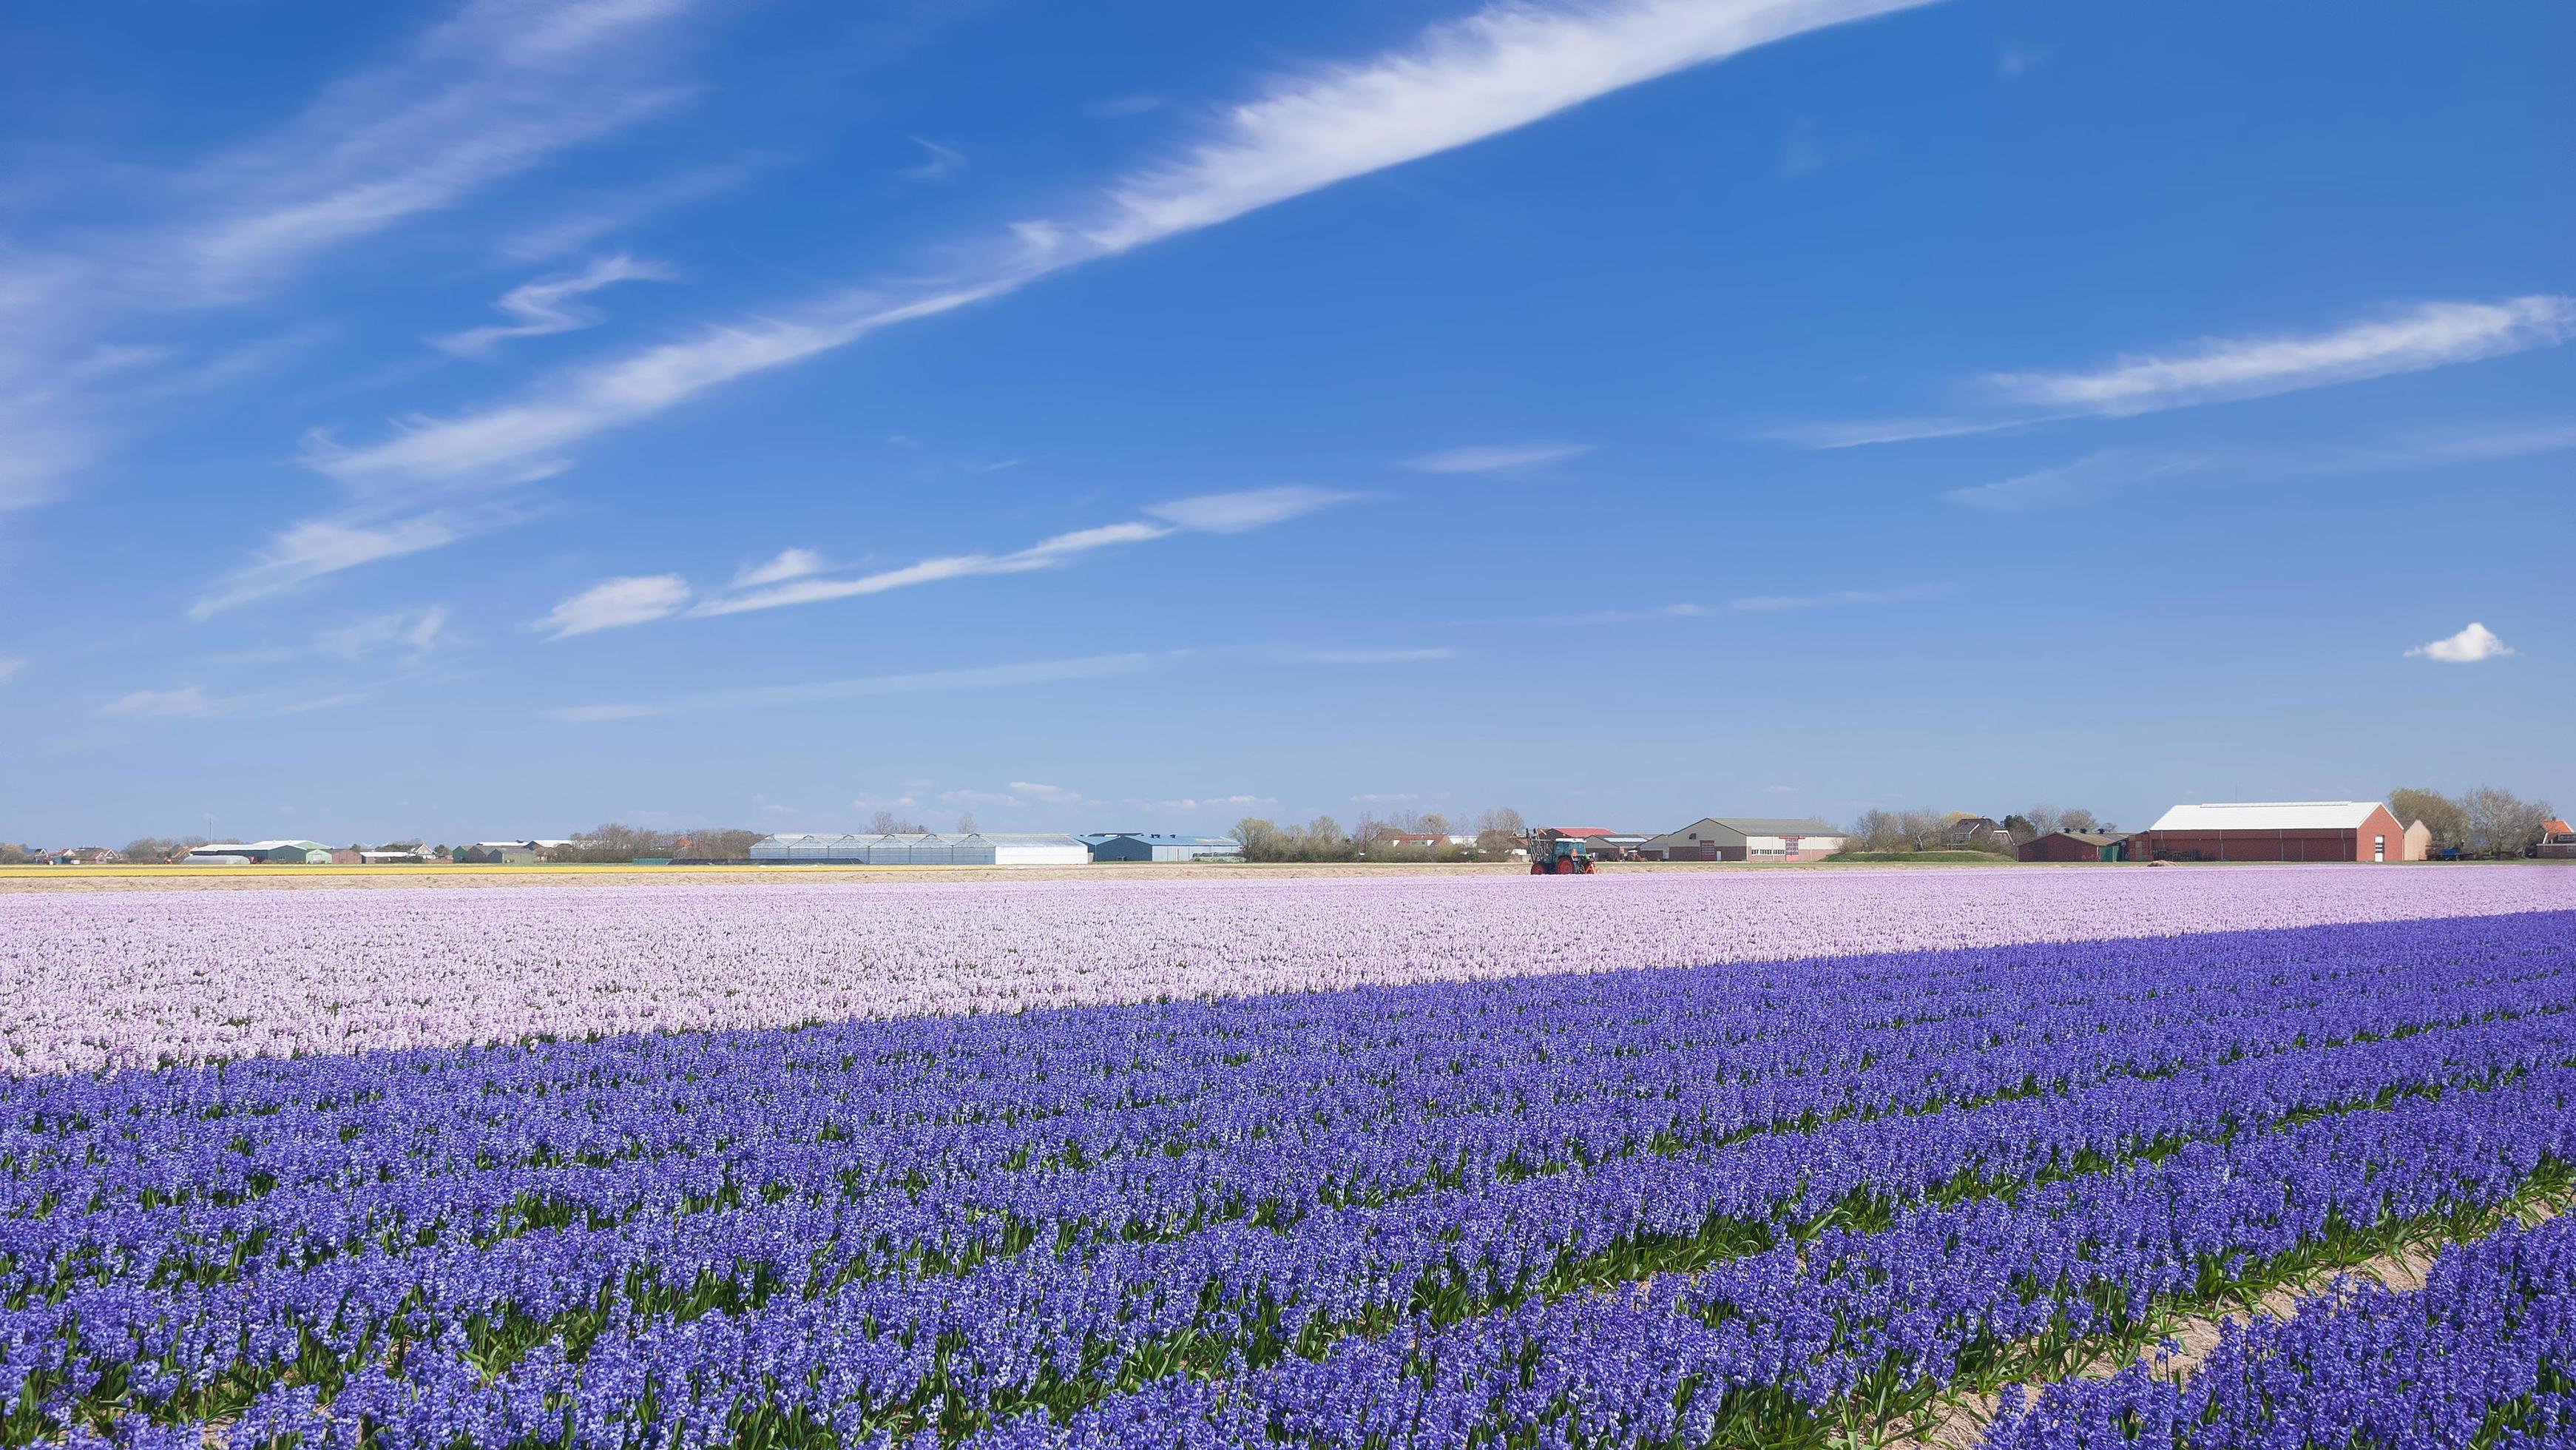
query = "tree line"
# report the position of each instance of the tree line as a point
(1497, 833)
(1882, 831)
(2487, 821)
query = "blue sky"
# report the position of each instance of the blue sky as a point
(493, 419)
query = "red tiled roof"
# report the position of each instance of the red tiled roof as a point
(2556, 828)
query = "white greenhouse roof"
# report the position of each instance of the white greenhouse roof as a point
(2267, 816)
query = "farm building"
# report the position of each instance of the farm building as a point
(1158, 846)
(971, 849)
(2074, 846)
(2419, 841)
(1744, 838)
(498, 853)
(2558, 840)
(255, 853)
(2273, 831)
(1976, 833)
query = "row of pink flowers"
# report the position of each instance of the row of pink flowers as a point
(119, 979)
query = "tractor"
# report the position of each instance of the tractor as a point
(1553, 855)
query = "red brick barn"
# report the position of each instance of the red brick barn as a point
(2273, 831)
(2074, 846)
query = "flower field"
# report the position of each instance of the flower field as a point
(1688, 1161)
(140, 979)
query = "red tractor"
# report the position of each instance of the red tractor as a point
(1553, 855)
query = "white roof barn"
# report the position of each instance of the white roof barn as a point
(2268, 816)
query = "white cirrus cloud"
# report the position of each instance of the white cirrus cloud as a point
(938, 162)
(2475, 643)
(1053, 795)
(496, 89)
(313, 548)
(986, 677)
(1048, 553)
(1833, 599)
(1497, 457)
(552, 304)
(787, 564)
(1237, 513)
(1507, 65)
(596, 216)
(185, 703)
(2090, 479)
(414, 631)
(611, 603)
(1422, 655)
(2404, 340)
(800, 576)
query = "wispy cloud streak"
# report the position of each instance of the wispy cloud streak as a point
(2408, 339)
(2427, 335)
(497, 89)
(1504, 67)
(798, 576)
(552, 304)
(2115, 472)
(988, 677)
(1497, 458)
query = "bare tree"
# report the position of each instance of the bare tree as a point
(2502, 823)
(966, 823)
(2043, 818)
(2441, 815)
(2078, 819)
(1261, 840)
(1499, 832)
(1325, 841)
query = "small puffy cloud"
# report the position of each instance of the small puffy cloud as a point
(1053, 795)
(1237, 513)
(10, 665)
(1497, 457)
(2475, 643)
(613, 602)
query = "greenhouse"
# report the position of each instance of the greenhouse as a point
(869, 849)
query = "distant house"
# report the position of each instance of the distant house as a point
(2557, 840)
(2074, 846)
(498, 853)
(86, 856)
(2419, 841)
(1158, 846)
(259, 853)
(2274, 831)
(1976, 833)
(1744, 838)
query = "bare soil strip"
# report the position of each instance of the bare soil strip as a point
(1959, 1423)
